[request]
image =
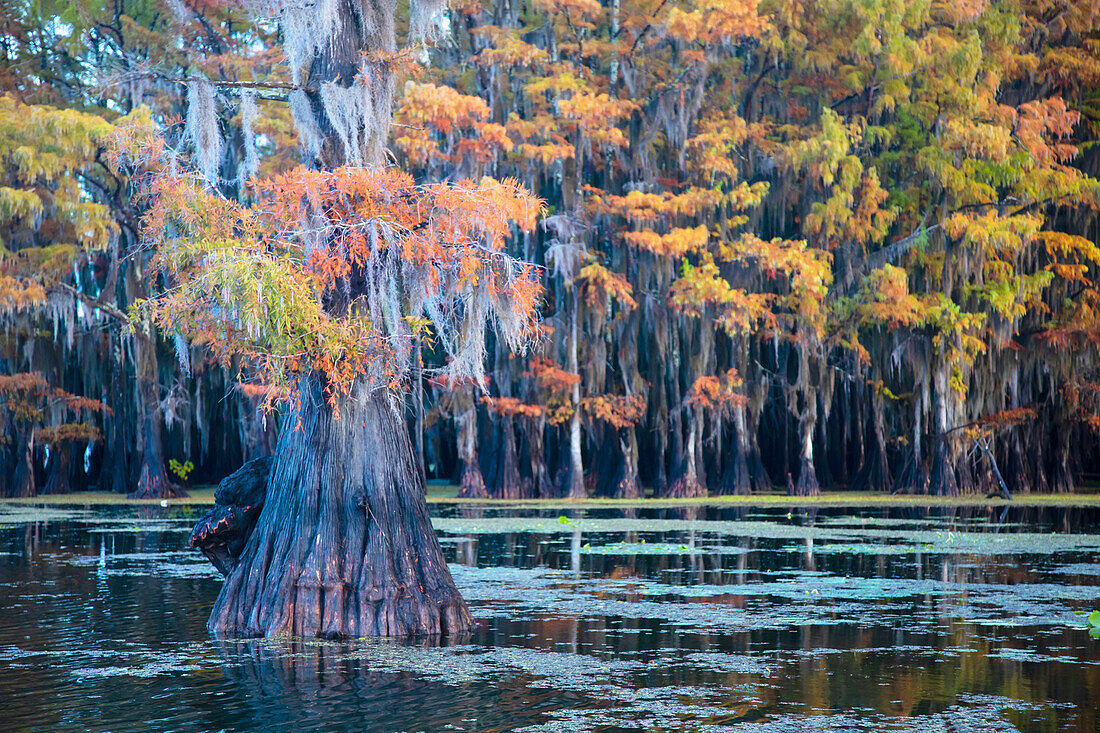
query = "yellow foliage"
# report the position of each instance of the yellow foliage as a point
(714, 21)
(599, 286)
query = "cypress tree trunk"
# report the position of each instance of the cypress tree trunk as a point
(542, 487)
(626, 479)
(687, 483)
(574, 478)
(942, 479)
(153, 480)
(873, 473)
(758, 473)
(116, 472)
(23, 484)
(471, 485)
(807, 474)
(603, 464)
(508, 484)
(59, 475)
(343, 546)
(1061, 461)
(807, 423)
(736, 479)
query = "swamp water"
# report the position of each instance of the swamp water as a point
(696, 619)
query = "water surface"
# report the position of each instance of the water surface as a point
(694, 619)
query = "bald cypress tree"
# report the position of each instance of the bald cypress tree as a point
(323, 285)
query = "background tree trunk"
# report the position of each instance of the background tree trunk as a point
(153, 480)
(23, 483)
(59, 469)
(942, 479)
(542, 487)
(626, 480)
(507, 484)
(807, 388)
(687, 483)
(736, 478)
(471, 485)
(574, 487)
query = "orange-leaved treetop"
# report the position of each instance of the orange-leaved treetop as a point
(323, 284)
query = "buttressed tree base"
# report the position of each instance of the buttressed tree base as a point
(344, 545)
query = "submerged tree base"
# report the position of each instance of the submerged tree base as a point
(685, 487)
(343, 546)
(473, 485)
(157, 488)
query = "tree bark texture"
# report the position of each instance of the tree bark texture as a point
(343, 546)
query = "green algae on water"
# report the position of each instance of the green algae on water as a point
(647, 548)
(12, 515)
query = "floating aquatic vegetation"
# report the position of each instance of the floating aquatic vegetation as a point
(450, 665)
(795, 600)
(131, 520)
(1078, 568)
(969, 713)
(162, 563)
(148, 669)
(1030, 655)
(862, 521)
(140, 527)
(834, 539)
(137, 660)
(12, 515)
(728, 663)
(861, 548)
(644, 548)
(201, 569)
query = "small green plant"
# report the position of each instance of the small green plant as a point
(182, 470)
(1094, 624)
(564, 520)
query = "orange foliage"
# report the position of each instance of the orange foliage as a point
(27, 397)
(68, 433)
(430, 113)
(1008, 418)
(618, 411)
(271, 282)
(17, 293)
(889, 300)
(717, 393)
(513, 407)
(550, 376)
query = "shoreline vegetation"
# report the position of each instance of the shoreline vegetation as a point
(448, 494)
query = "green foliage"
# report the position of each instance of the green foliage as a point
(181, 470)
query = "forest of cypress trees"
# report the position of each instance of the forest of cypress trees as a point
(782, 243)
